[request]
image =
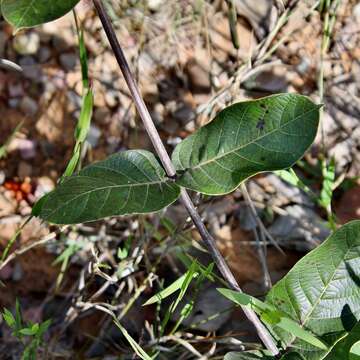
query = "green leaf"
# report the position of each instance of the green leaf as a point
(180, 284)
(244, 139)
(135, 346)
(83, 125)
(126, 183)
(9, 318)
(354, 353)
(342, 347)
(30, 331)
(321, 292)
(272, 316)
(28, 13)
(81, 131)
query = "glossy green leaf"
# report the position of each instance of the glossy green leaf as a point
(342, 347)
(244, 139)
(126, 183)
(322, 291)
(28, 13)
(354, 353)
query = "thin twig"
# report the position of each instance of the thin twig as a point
(258, 221)
(25, 249)
(170, 170)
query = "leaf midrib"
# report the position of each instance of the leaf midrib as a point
(250, 142)
(303, 323)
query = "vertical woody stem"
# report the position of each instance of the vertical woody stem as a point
(171, 172)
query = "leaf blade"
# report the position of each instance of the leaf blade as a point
(244, 139)
(129, 182)
(29, 13)
(321, 292)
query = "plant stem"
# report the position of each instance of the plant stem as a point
(171, 172)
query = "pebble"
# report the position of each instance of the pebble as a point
(18, 272)
(7, 204)
(111, 98)
(68, 61)
(2, 177)
(28, 106)
(93, 136)
(44, 54)
(24, 170)
(356, 12)
(301, 228)
(155, 5)
(44, 186)
(16, 89)
(27, 43)
(31, 69)
(198, 77)
(102, 115)
(26, 147)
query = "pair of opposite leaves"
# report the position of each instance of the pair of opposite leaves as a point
(244, 139)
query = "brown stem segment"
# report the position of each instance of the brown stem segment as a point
(171, 172)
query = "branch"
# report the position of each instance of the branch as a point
(171, 172)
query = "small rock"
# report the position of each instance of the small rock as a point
(18, 272)
(246, 218)
(301, 228)
(31, 70)
(44, 186)
(102, 115)
(44, 54)
(198, 77)
(16, 89)
(2, 177)
(68, 61)
(93, 136)
(27, 43)
(75, 102)
(356, 12)
(24, 170)
(28, 106)
(112, 98)
(155, 5)
(268, 81)
(26, 147)
(7, 204)
(286, 193)
(13, 103)
(342, 153)
(184, 114)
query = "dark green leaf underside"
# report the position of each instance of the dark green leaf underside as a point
(246, 138)
(126, 183)
(28, 13)
(322, 291)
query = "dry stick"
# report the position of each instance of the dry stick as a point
(171, 172)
